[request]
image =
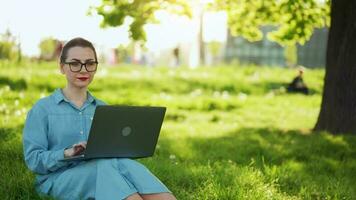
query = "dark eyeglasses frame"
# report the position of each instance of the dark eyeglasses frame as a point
(81, 66)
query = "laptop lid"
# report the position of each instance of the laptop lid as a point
(124, 131)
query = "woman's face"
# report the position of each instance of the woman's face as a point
(76, 57)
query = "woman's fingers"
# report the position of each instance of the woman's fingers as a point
(82, 144)
(78, 149)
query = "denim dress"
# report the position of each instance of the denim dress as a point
(53, 124)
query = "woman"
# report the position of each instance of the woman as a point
(58, 125)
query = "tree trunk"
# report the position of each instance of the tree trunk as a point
(338, 108)
(201, 39)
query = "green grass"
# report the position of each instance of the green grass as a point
(229, 132)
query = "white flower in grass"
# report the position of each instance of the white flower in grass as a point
(255, 77)
(282, 89)
(136, 74)
(42, 95)
(196, 93)
(242, 96)
(165, 96)
(172, 157)
(6, 120)
(17, 102)
(184, 75)
(270, 95)
(158, 146)
(18, 112)
(7, 88)
(172, 73)
(216, 94)
(22, 95)
(3, 107)
(205, 75)
(225, 94)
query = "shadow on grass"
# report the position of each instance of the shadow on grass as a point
(7, 133)
(46, 87)
(313, 166)
(321, 165)
(16, 180)
(263, 87)
(19, 84)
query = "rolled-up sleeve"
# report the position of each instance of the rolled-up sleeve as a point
(35, 133)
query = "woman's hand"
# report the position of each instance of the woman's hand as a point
(75, 150)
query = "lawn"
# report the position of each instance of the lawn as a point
(229, 132)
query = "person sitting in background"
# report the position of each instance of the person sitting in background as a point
(298, 85)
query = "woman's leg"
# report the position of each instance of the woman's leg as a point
(158, 196)
(75, 183)
(140, 177)
(97, 179)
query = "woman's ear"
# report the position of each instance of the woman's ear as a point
(61, 66)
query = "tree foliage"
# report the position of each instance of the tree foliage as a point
(47, 47)
(115, 12)
(9, 48)
(294, 20)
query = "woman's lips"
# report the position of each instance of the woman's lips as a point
(83, 78)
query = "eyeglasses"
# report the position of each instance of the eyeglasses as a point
(76, 66)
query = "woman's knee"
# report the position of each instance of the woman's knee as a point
(124, 160)
(129, 163)
(158, 196)
(134, 197)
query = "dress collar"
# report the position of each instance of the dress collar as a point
(59, 97)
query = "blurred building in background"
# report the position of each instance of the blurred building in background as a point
(266, 52)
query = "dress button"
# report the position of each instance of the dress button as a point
(91, 118)
(80, 113)
(81, 132)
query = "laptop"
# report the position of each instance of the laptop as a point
(122, 132)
